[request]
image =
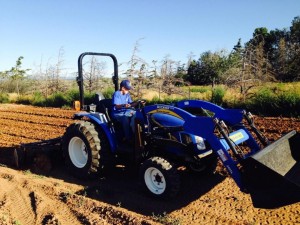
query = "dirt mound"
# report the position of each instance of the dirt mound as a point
(115, 197)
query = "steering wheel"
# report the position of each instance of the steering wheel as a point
(140, 103)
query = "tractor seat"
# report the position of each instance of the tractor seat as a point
(105, 106)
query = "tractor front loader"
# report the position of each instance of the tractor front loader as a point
(244, 151)
(189, 133)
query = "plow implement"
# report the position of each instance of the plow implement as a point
(39, 153)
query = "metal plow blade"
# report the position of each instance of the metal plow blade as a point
(283, 157)
(273, 173)
(30, 153)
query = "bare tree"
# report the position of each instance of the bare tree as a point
(136, 63)
(169, 82)
(137, 73)
(39, 79)
(93, 74)
(190, 57)
(53, 74)
(252, 69)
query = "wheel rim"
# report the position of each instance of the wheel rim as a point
(78, 152)
(155, 180)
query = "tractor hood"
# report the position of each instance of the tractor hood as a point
(166, 120)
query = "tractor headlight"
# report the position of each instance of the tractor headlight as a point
(200, 143)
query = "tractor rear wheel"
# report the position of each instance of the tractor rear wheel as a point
(81, 148)
(160, 178)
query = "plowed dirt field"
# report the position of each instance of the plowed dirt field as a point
(31, 196)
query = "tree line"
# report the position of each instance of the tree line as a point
(268, 56)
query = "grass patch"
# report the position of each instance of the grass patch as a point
(267, 102)
(199, 89)
(270, 99)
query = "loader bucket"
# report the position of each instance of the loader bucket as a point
(273, 173)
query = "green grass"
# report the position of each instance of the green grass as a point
(199, 89)
(269, 99)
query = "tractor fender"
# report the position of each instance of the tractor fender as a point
(95, 119)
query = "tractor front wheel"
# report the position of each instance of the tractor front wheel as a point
(160, 178)
(81, 147)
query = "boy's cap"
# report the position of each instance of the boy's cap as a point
(126, 84)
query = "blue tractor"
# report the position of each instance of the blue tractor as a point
(189, 134)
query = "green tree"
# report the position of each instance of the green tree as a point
(294, 54)
(281, 67)
(256, 56)
(278, 54)
(181, 73)
(16, 74)
(208, 69)
(295, 29)
(234, 65)
(275, 53)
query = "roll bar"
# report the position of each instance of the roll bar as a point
(79, 78)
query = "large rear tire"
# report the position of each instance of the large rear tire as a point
(81, 148)
(160, 178)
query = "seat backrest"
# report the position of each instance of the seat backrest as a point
(98, 98)
(105, 106)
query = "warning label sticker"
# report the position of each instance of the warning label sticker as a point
(222, 155)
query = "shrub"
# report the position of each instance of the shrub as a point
(38, 99)
(289, 104)
(107, 93)
(155, 100)
(73, 95)
(89, 98)
(24, 99)
(57, 100)
(4, 98)
(266, 103)
(217, 95)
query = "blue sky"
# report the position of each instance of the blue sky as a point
(37, 29)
